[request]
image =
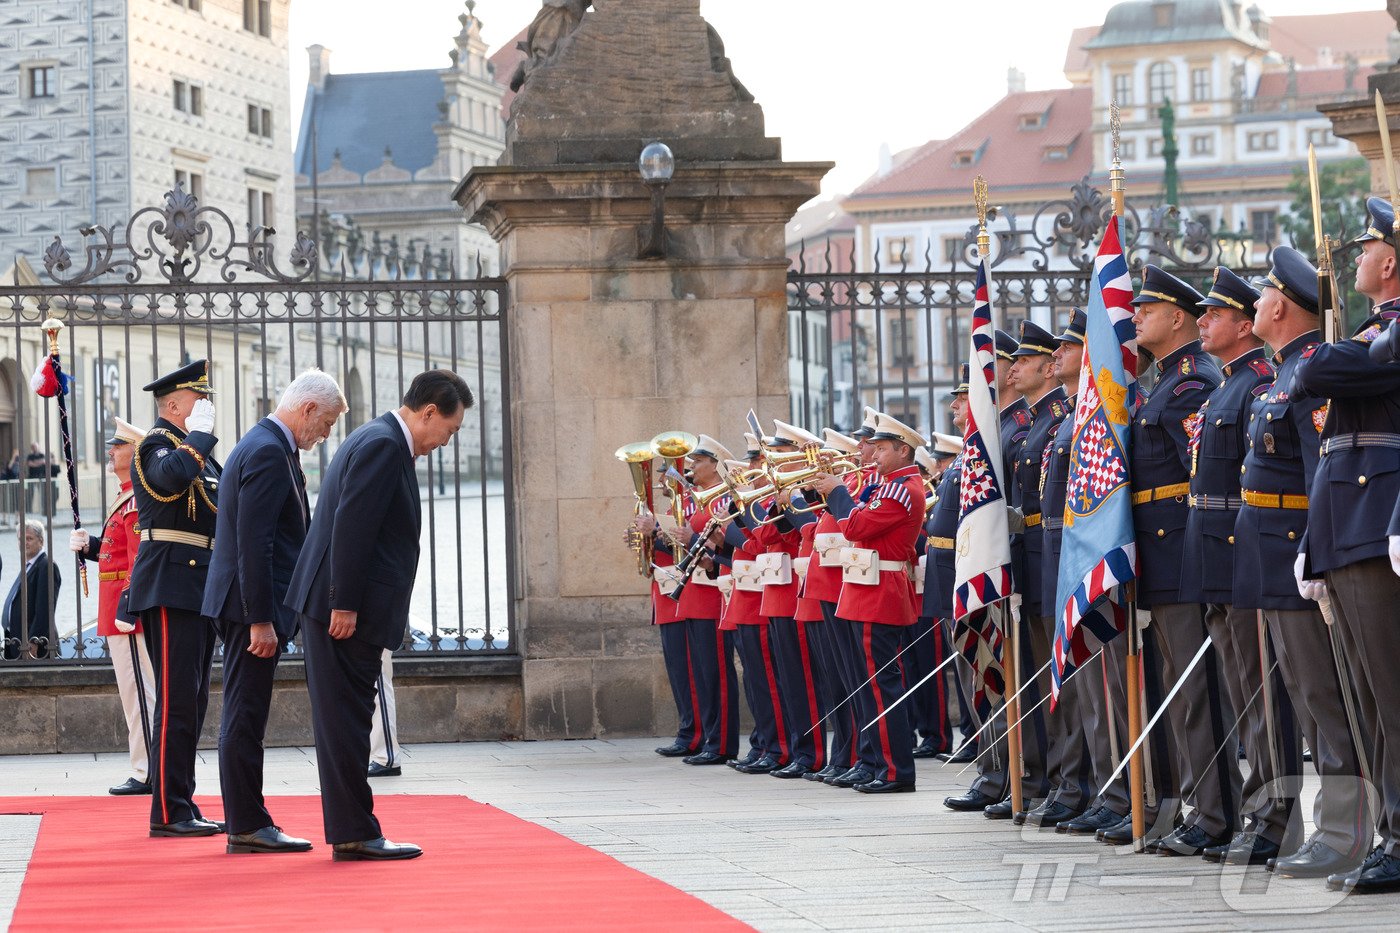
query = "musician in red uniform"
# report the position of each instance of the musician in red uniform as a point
(114, 554)
(877, 591)
(671, 626)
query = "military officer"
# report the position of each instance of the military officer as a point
(176, 494)
(1267, 728)
(1349, 510)
(1200, 716)
(1279, 464)
(114, 553)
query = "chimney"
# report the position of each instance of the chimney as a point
(1325, 58)
(320, 66)
(1015, 81)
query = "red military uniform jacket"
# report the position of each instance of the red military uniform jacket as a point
(779, 599)
(888, 523)
(701, 598)
(115, 552)
(824, 583)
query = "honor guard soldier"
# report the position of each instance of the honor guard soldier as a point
(1267, 728)
(877, 591)
(114, 553)
(176, 492)
(928, 645)
(1047, 736)
(1279, 464)
(1167, 309)
(1349, 512)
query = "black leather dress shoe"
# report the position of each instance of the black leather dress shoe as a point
(851, 778)
(130, 788)
(705, 758)
(969, 802)
(378, 770)
(962, 757)
(185, 828)
(1243, 839)
(761, 765)
(823, 774)
(373, 850)
(1382, 877)
(886, 787)
(1112, 834)
(1087, 824)
(1189, 840)
(674, 750)
(926, 749)
(753, 755)
(1346, 880)
(1049, 816)
(795, 770)
(1259, 852)
(267, 839)
(1314, 860)
(998, 811)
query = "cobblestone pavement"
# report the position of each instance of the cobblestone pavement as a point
(787, 855)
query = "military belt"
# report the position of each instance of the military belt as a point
(1360, 439)
(1273, 500)
(1174, 491)
(177, 537)
(107, 576)
(1054, 524)
(1033, 520)
(1214, 503)
(941, 544)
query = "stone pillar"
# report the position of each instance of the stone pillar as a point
(1355, 121)
(606, 349)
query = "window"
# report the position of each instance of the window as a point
(964, 157)
(899, 250)
(899, 337)
(260, 121)
(1203, 145)
(1127, 149)
(260, 213)
(41, 80)
(1162, 14)
(1321, 138)
(1161, 82)
(191, 182)
(1200, 84)
(1031, 121)
(1262, 141)
(257, 16)
(1123, 89)
(1056, 153)
(1263, 225)
(41, 182)
(191, 5)
(188, 98)
(952, 249)
(1154, 147)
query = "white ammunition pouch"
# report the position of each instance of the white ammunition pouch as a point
(726, 585)
(745, 574)
(920, 569)
(828, 547)
(667, 578)
(862, 566)
(799, 566)
(775, 568)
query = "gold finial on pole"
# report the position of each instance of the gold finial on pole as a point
(1383, 123)
(979, 197)
(1115, 174)
(52, 326)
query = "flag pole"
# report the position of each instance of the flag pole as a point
(1133, 680)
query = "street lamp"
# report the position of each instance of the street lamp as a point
(657, 165)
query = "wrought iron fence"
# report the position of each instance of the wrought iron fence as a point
(176, 283)
(895, 339)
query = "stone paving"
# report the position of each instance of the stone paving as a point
(787, 855)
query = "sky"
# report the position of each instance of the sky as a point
(836, 79)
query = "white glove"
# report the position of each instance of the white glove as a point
(126, 628)
(1308, 589)
(1395, 554)
(78, 540)
(201, 417)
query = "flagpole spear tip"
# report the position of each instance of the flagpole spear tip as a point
(979, 197)
(52, 326)
(1115, 174)
(1383, 125)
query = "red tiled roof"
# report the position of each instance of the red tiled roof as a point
(1360, 32)
(1009, 156)
(1312, 82)
(505, 59)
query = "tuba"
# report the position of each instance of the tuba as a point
(638, 458)
(673, 447)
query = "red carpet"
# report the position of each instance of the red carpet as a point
(94, 869)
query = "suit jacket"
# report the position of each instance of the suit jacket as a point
(41, 601)
(263, 515)
(361, 552)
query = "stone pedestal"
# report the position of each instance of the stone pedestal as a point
(1355, 121)
(605, 350)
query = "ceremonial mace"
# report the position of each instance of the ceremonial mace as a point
(50, 382)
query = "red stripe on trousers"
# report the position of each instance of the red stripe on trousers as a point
(818, 740)
(724, 748)
(699, 741)
(879, 701)
(940, 688)
(773, 692)
(164, 709)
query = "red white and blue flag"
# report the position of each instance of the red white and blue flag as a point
(983, 563)
(1098, 551)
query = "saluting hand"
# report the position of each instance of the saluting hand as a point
(343, 622)
(262, 640)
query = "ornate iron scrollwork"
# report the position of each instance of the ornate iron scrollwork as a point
(178, 240)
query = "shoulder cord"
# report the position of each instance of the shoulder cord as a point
(198, 483)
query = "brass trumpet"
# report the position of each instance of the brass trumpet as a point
(673, 447)
(638, 458)
(794, 479)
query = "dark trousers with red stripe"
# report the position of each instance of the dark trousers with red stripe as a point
(182, 648)
(929, 704)
(846, 636)
(676, 656)
(761, 686)
(716, 685)
(797, 684)
(838, 668)
(893, 750)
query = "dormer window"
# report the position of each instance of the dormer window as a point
(1032, 121)
(964, 157)
(1056, 153)
(1162, 13)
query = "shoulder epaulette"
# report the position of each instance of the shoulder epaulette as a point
(1021, 417)
(1186, 366)
(1310, 350)
(1058, 408)
(1369, 334)
(1262, 367)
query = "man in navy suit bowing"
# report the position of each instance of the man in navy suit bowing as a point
(262, 522)
(352, 586)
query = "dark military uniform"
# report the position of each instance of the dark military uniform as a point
(176, 491)
(1200, 715)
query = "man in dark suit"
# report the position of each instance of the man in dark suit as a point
(31, 616)
(263, 516)
(352, 586)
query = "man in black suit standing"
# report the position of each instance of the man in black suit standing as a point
(352, 586)
(263, 517)
(31, 617)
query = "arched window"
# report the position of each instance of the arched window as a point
(1161, 82)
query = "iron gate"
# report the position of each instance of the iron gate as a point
(176, 283)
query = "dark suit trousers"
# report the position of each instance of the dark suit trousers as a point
(711, 657)
(929, 704)
(797, 686)
(842, 723)
(341, 675)
(247, 700)
(676, 656)
(182, 647)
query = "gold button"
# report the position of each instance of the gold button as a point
(1251, 417)
(1293, 536)
(1231, 539)
(1361, 481)
(1060, 450)
(1143, 421)
(191, 563)
(1219, 421)
(1161, 533)
(1269, 416)
(1242, 471)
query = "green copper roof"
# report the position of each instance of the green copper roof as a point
(1136, 23)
